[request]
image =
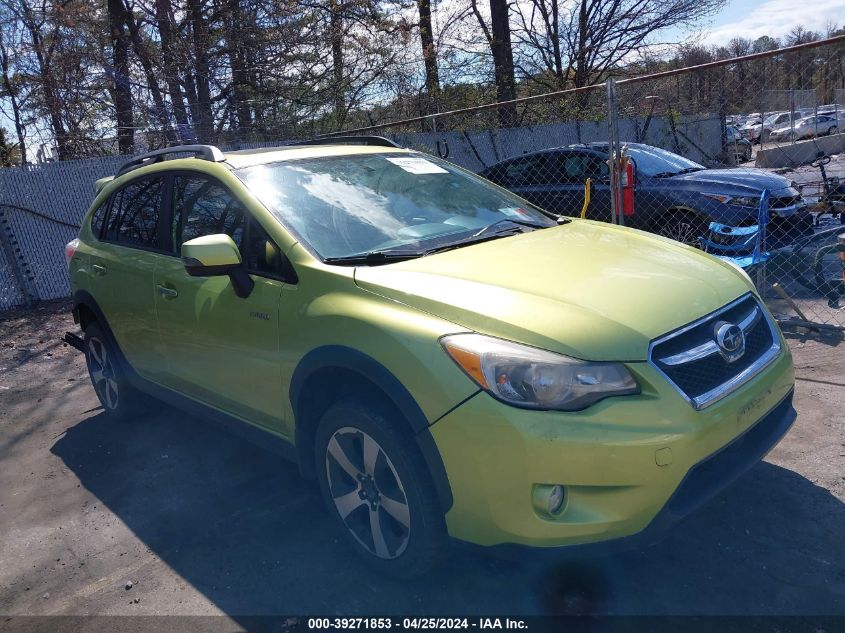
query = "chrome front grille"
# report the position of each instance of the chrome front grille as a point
(701, 369)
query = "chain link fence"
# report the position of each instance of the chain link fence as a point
(663, 152)
(669, 152)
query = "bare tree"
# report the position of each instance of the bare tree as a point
(581, 42)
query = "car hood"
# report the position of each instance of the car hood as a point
(586, 289)
(753, 179)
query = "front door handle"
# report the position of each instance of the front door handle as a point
(167, 293)
(100, 270)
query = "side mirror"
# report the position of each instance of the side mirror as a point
(216, 255)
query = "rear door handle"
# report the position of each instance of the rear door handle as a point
(100, 270)
(167, 293)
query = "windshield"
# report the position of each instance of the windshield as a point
(344, 206)
(653, 161)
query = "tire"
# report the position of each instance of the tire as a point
(403, 538)
(833, 130)
(682, 226)
(117, 397)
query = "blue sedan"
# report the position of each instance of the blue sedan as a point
(674, 196)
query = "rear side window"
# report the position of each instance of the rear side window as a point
(134, 215)
(532, 170)
(578, 167)
(204, 207)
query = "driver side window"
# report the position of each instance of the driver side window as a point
(203, 207)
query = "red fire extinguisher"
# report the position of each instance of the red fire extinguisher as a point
(627, 185)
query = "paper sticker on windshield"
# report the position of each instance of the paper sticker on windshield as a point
(416, 165)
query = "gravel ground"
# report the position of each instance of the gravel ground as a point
(166, 514)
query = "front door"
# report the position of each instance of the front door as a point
(222, 350)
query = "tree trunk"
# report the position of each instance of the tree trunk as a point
(336, 36)
(581, 70)
(235, 34)
(120, 78)
(201, 41)
(12, 92)
(149, 72)
(500, 46)
(164, 21)
(432, 75)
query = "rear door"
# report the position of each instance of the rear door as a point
(221, 349)
(123, 270)
(576, 167)
(537, 179)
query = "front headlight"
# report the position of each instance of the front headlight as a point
(743, 201)
(738, 201)
(529, 377)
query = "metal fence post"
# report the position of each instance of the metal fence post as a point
(613, 152)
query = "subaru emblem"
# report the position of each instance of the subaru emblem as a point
(731, 340)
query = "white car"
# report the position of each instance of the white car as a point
(771, 122)
(808, 127)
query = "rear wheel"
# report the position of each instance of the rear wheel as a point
(833, 130)
(376, 485)
(681, 226)
(115, 394)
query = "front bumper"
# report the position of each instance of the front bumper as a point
(607, 457)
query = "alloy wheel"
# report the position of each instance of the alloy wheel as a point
(368, 493)
(681, 229)
(102, 373)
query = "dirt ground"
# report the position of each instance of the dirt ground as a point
(201, 522)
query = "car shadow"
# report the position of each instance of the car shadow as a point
(240, 525)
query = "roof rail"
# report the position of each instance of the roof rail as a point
(377, 141)
(205, 152)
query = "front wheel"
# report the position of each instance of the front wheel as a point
(375, 483)
(682, 226)
(833, 130)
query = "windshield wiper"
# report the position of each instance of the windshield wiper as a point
(389, 256)
(669, 174)
(375, 257)
(485, 235)
(500, 223)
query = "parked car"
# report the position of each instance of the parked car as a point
(750, 123)
(737, 145)
(442, 356)
(763, 130)
(674, 196)
(808, 127)
(839, 115)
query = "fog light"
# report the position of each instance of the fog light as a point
(549, 499)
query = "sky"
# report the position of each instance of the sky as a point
(755, 18)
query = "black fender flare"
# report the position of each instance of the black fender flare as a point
(347, 358)
(84, 298)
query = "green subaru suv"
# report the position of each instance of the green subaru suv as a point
(447, 360)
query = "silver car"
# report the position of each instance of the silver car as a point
(808, 127)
